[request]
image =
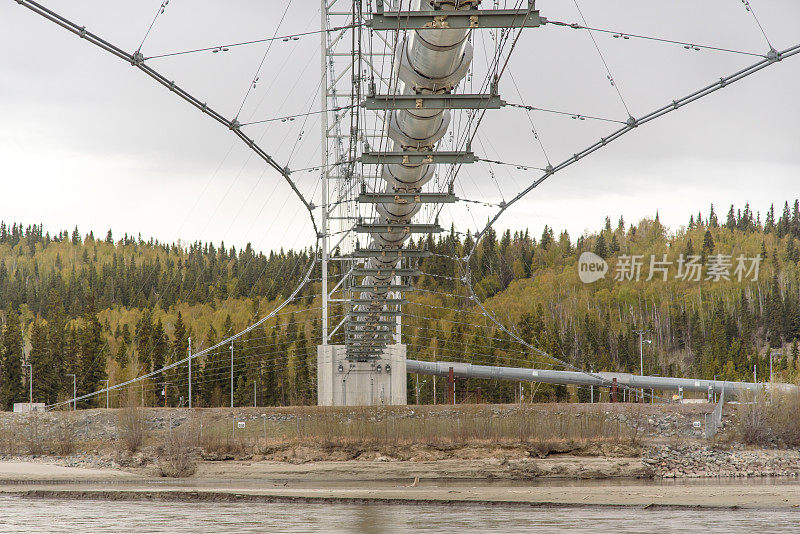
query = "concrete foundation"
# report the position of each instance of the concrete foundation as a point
(341, 382)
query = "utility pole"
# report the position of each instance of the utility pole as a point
(231, 374)
(30, 381)
(641, 355)
(771, 377)
(190, 372)
(255, 404)
(74, 392)
(755, 380)
(434, 379)
(106, 381)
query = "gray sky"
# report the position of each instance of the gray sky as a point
(86, 139)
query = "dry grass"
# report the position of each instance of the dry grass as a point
(37, 434)
(567, 427)
(339, 433)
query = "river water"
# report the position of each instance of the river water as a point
(18, 514)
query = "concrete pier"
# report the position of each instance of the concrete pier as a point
(376, 382)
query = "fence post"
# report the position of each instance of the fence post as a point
(451, 387)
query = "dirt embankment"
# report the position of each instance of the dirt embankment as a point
(430, 442)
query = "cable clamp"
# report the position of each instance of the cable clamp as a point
(82, 33)
(234, 125)
(137, 58)
(632, 122)
(773, 55)
(549, 169)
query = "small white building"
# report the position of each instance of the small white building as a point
(27, 407)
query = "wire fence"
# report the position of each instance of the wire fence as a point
(714, 419)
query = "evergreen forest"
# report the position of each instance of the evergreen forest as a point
(105, 310)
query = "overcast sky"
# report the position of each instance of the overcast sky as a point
(86, 139)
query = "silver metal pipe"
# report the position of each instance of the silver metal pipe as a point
(428, 61)
(547, 376)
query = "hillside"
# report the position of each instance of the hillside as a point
(114, 309)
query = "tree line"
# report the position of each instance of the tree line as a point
(102, 309)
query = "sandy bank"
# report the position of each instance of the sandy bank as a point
(393, 482)
(726, 496)
(557, 466)
(14, 471)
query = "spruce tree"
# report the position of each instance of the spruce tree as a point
(708, 245)
(144, 343)
(46, 385)
(92, 374)
(213, 372)
(11, 385)
(178, 376)
(712, 218)
(243, 392)
(302, 370)
(730, 220)
(613, 247)
(225, 356)
(281, 367)
(122, 354)
(57, 344)
(160, 352)
(600, 247)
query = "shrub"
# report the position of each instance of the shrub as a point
(63, 438)
(177, 456)
(785, 418)
(8, 437)
(766, 419)
(33, 434)
(754, 421)
(131, 428)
